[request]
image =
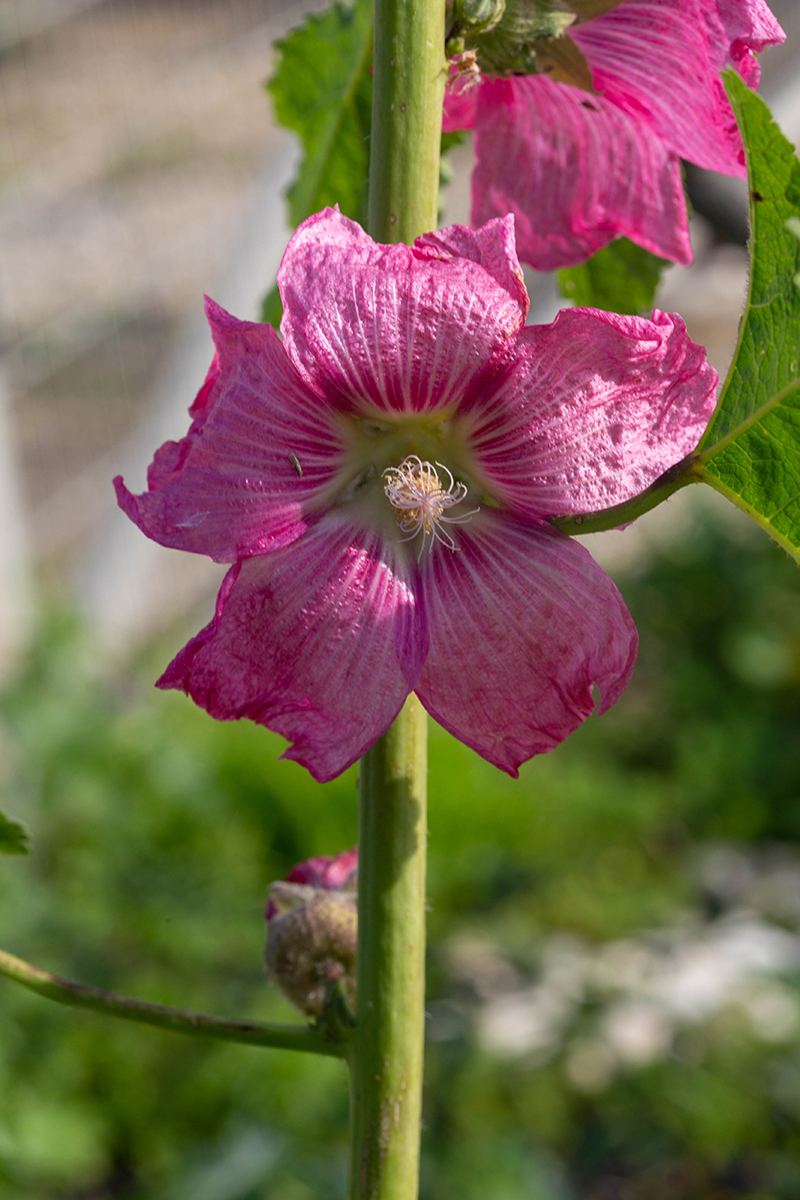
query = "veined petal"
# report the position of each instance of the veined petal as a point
(749, 26)
(660, 63)
(493, 246)
(320, 641)
(576, 172)
(395, 328)
(460, 104)
(260, 453)
(751, 22)
(592, 409)
(522, 624)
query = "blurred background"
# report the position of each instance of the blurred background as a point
(614, 975)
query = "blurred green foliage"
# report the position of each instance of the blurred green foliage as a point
(622, 277)
(13, 837)
(322, 90)
(155, 832)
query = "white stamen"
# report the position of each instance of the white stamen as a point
(416, 494)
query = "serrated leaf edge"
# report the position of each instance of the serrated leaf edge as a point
(731, 80)
(759, 518)
(347, 99)
(753, 419)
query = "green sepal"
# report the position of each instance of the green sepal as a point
(751, 449)
(14, 838)
(322, 90)
(509, 48)
(561, 60)
(622, 277)
(587, 10)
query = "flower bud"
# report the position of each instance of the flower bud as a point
(312, 931)
(588, 10)
(474, 16)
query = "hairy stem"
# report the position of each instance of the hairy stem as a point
(253, 1033)
(409, 75)
(685, 472)
(387, 1049)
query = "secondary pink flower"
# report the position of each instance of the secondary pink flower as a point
(330, 871)
(578, 169)
(401, 369)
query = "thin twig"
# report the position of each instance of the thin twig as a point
(254, 1033)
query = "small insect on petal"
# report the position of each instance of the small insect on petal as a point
(295, 461)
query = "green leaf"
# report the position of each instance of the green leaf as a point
(622, 277)
(323, 91)
(272, 308)
(751, 450)
(13, 837)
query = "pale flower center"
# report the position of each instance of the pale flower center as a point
(419, 498)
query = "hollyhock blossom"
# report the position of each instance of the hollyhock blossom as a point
(381, 480)
(312, 930)
(579, 168)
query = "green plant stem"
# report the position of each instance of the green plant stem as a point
(386, 1051)
(409, 74)
(252, 1033)
(683, 473)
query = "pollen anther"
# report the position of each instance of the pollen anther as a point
(419, 498)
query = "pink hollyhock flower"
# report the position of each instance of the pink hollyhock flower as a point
(330, 871)
(578, 169)
(382, 478)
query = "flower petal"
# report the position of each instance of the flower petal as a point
(325, 870)
(751, 22)
(749, 26)
(493, 246)
(576, 172)
(394, 328)
(259, 455)
(320, 641)
(460, 103)
(660, 63)
(522, 624)
(592, 409)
